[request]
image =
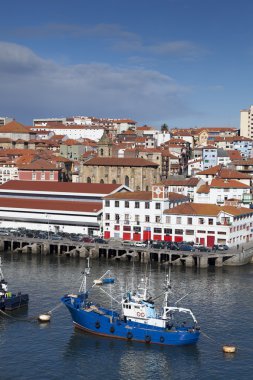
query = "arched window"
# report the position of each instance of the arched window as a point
(147, 188)
(114, 181)
(88, 180)
(101, 152)
(126, 180)
(101, 181)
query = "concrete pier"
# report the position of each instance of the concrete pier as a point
(117, 251)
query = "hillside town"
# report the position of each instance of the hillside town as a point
(114, 179)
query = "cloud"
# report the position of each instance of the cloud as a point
(117, 38)
(34, 87)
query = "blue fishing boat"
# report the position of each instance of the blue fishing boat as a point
(8, 300)
(137, 318)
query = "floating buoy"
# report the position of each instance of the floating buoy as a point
(44, 317)
(229, 349)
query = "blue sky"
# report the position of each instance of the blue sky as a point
(186, 63)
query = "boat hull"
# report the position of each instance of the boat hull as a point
(109, 324)
(14, 302)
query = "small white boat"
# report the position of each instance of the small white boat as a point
(98, 282)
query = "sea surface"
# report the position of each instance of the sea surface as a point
(221, 299)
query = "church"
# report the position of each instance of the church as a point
(137, 173)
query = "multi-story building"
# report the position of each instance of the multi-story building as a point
(153, 216)
(138, 215)
(221, 191)
(246, 122)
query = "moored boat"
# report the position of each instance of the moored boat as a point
(138, 319)
(8, 300)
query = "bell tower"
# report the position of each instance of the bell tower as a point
(105, 145)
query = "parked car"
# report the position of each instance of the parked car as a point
(87, 239)
(184, 247)
(100, 240)
(127, 243)
(197, 245)
(158, 245)
(204, 249)
(220, 247)
(140, 244)
(172, 245)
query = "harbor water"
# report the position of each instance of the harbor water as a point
(221, 299)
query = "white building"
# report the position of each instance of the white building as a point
(220, 191)
(74, 132)
(246, 122)
(210, 224)
(138, 215)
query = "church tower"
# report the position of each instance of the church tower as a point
(105, 145)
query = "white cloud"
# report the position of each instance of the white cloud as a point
(34, 87)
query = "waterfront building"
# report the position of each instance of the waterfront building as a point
(48, 206)
(138, 215)
(209, 224)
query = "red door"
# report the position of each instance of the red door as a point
(178, 239)
(146, 235)
(210, 241)
(136, 237)
(202, 241)
(107, 235)
(168, 238)
(126, 235)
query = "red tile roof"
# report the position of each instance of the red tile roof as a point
(60, 187)
(115, 161)
(15, 127)
(143, 196)
(43, 204)
(228, 184)
(206, 209)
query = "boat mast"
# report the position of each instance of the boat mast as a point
(86, 272)
(1, 273)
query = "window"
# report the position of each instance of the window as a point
(210, 222)
(168, 231)
(168, 219)
(51, 175)
(201, 221)
(189, 220)
(116, 203)
(126, 228)
(157, 230)
(147, 218)
(158, 206)
(137, 229)
(178, 220)
(137, 205)
(107, 216)
(137, 218)
(178, 232)
(117, 217)
(126, 204)
(189, 232)
(33, 175)
(116, 227)
(147, 205)
(107, 203)
(157, 219)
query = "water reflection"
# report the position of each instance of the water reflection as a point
(129, 360)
